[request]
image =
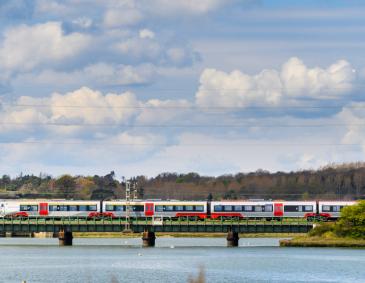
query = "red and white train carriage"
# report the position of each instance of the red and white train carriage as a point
(49, 208)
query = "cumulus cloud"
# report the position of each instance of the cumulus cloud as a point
(353, 116)
(25, 47)
(272, 87)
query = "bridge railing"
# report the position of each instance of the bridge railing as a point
(81, 224)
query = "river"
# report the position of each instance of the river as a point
(174, 260)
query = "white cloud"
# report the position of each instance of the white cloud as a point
(99, 74)
(25, 47)
(139, 48)
(122, 17)
(271, 87)
(353, 116)
(83, 22)
(299, 80)
(146, 33)
(193, 7)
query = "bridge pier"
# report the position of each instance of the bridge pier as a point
(65, 238)
(232, 239)
(149, 239)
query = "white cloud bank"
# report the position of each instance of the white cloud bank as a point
(25, 47)
(272, 87)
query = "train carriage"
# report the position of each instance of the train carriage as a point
(303, 209)
(242, 209)
(164, 209)
(118, 208)
(181, 209)
(332, 209)
(49, 208)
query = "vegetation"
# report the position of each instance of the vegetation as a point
(349, 231)
(346, 181)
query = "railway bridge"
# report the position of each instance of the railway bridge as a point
(64, 227)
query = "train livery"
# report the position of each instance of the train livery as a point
(173, 209)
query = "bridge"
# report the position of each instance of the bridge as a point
(64, 227)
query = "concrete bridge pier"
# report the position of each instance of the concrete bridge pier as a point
(65, 238)
(232, 239)
(149, 239)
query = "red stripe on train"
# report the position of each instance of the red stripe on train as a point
(187, 214)
(228, 214)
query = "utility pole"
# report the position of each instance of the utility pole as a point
(127, 205)
(130, 194)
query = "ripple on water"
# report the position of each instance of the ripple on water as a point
(174, 260)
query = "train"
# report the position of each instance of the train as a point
(173, 209)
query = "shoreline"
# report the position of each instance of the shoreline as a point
(181, 235)
(322, 242)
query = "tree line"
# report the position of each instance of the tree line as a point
(344, 181)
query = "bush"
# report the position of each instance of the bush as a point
(352, 221)
(321, 229)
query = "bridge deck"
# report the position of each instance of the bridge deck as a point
(118, 225)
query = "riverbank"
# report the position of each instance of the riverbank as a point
(306, 241)
(183, 235)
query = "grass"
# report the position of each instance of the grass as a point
(181, 235)
(306, 241)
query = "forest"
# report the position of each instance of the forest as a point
(335, 181)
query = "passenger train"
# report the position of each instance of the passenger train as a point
(174, 209)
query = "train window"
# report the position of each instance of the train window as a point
(169, 208)
(268, 207)
(29, 208)
(109, 207)
(326, 208)
(82, 208)
(62, 207)
(248, 208)
(179, 207)
(119, 207)
(189, 208)
(52, 207)
(291, 208)
(336, 208)
(258, 208)
(228, 208)
(72, 208)
(138, 208)
(237, 208)
(159, 208)
(92, 207)
(218, 208)
(307, 207)
(199, 207)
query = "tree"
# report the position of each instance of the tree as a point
(66, 184)
(352, 221)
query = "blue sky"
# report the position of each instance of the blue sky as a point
(211, 86)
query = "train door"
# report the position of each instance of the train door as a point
(278, 210)
(43, 209)
(149, 209)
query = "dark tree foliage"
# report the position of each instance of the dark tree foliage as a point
(345, 181)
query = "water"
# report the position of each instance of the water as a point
(175, 260)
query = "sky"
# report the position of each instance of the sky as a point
(215, 87)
